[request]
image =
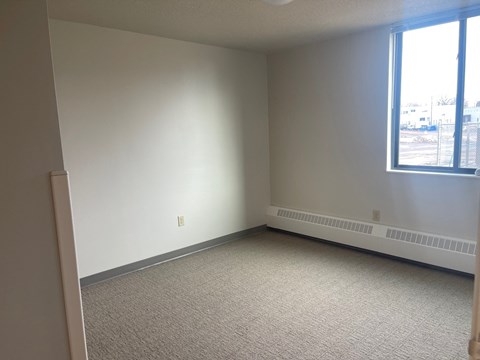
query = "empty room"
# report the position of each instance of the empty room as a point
(239, 179)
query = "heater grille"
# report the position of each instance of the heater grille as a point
(432, 241)
(439, 250)
(429, 240)
(327, 221)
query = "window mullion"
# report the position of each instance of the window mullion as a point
(460, 95)
(396, 93)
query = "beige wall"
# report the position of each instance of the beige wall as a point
(32, 315)
(328, 106)
(153, 128)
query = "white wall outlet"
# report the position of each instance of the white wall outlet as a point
(181, 220)
(376, 215)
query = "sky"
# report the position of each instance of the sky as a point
(429, 68)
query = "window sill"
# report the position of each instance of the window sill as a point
(468, 176)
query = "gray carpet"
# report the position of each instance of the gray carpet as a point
(276, 296)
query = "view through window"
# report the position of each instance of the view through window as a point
(437, 101)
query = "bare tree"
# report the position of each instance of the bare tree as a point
(445, 100)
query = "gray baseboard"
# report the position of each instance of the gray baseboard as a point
(125, 269)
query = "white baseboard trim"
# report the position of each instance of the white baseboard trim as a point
(68, 263)
(432, 249)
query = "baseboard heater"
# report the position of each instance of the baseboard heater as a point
(433, 249)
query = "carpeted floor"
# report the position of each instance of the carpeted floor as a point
(276, 296)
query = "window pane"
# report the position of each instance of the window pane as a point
(470, 156)
(428, 95)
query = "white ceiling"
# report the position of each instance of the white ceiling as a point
(247, 24)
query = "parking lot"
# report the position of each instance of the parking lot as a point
(435, 148)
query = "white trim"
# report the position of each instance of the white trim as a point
(415, 172)
(68, 263)
(474, 344)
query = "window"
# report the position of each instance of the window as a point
(436, 95)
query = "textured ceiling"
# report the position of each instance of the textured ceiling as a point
(247, 24)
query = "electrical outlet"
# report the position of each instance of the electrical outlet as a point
(181, 220)
(376, 215)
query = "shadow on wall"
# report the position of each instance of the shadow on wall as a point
(154, 128)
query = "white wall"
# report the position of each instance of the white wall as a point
(328, 106)
(32, 312)
(153, 128)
